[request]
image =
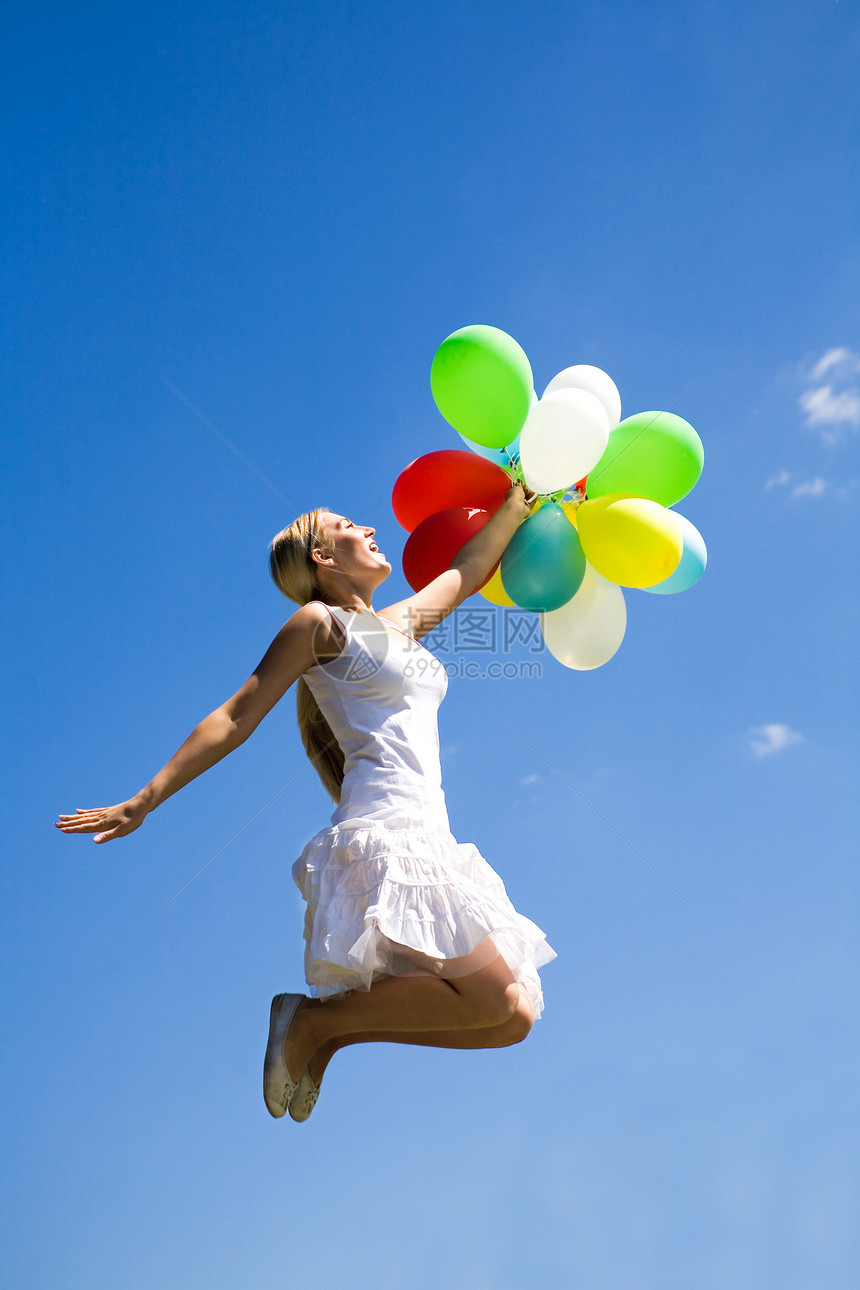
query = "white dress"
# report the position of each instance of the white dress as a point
(389, 890)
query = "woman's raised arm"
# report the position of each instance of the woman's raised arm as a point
(420, 613)
(303, 639)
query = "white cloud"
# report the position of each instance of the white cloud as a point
(832, 405)
(826, 406)
(529, 779)
(798, 488)
(844, 361)
(774, 738)
(810, 488)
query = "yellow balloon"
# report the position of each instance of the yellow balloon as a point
(494, 590)
(630, 540)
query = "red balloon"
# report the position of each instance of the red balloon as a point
(440, 480)
(432, 545)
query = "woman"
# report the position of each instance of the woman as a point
(410, 936)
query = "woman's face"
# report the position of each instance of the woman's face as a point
(355, 548)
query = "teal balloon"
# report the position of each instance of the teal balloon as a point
(655, 455)
(543, 564)
(694, 559)
(501, 456)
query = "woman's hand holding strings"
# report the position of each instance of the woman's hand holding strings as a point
(108, 821)
(522, 497)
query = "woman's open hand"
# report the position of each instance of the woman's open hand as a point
(107, 822)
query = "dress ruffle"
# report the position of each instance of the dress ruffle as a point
(401, 898)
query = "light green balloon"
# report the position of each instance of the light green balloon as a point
(652, 454)
(482, 383)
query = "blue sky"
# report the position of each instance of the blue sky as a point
(282, 209)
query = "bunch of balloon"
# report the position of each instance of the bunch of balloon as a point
(604, 487)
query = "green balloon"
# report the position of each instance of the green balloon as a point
(482, 383)
(652, 454)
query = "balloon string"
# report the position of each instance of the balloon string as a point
(571, 494)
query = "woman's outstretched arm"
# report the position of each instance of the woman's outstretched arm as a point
(296, 647)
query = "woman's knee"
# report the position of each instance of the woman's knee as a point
(516, 1028)
(491, 995)
(501, 1003)
(521, 1022)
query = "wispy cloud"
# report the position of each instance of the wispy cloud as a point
(831, 404)
(825, 406)
(797, 488)
(810, 488)
(841, 360)
(767, 740)
(529, 779)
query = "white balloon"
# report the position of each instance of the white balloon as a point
(585, 377)
(587, 631)
(565, 434)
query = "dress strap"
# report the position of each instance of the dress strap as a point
(331, 611)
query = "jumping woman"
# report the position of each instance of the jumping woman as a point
(410, 937)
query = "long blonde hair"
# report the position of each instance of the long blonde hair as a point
(294, 573)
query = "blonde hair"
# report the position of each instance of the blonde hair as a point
(294, 573)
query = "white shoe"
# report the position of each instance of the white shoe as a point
(278, 1088)
(304, 1099)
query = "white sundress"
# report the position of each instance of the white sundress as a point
(388, 889)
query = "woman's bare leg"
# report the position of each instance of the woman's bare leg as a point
(512, 1031)
(411, 1006)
